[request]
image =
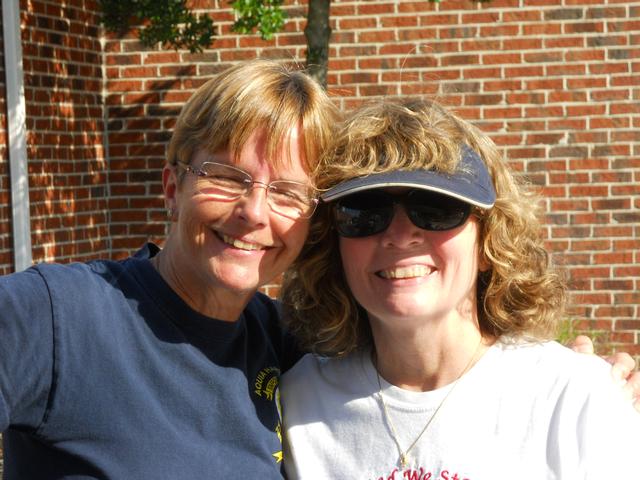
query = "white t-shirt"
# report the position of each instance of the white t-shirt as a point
(527, 411)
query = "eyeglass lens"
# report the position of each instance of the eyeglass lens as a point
(225, 182)
(368, 213)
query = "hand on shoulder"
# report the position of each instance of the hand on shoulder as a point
(623, 368)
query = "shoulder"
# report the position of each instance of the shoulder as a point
(586, 411)
(309, 364)
(263, 308)
(72, 290)
(314, 372)
(549, 363)
(99, 272)
(28, 280)
(557, 358)
(70, 279)
(553, 371)
(262, 317)
(44, 281)
(303, 389)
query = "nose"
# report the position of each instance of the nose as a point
(253, 207)
(402, 233)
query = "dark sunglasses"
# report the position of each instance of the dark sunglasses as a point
(371, 212)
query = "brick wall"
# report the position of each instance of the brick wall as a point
(62, 61)
(555, 84)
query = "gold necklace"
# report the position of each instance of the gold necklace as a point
(404, 454)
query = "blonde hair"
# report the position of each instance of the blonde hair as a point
(254, 95)
(520, 294)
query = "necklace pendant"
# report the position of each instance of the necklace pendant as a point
(403, 460)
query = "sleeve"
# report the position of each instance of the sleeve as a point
(596, 428)
(26, 350)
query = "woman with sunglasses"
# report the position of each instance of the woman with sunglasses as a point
(426, 284)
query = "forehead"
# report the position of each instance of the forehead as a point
(280, 151)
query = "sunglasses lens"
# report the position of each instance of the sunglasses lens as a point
(436, 212)
(363, 214)
(368, 213)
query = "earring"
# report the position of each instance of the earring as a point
(170, 212)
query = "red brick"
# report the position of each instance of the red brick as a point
(627, 298)
(437, 19)
(588, 82)
(569, 205)
(449, 60)
(542, 29)
(375, 8)
(499, 30)
(543, 57)
(501, 58)
(544, 112)
(401, 22)
(607, 95)
(502, 85)
(358, 23)
(521, 15)
(609, 122)
(479, 73)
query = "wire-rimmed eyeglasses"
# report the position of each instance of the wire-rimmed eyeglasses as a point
(285, 197)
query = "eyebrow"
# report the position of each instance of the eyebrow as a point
(212, 159)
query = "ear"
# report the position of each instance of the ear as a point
(170, 188)
(483, 262)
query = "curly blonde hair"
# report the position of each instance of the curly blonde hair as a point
(520, 295)
(255, 95)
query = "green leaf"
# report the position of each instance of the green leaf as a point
(168, 22)
(264, 16)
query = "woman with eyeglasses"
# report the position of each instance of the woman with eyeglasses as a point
(166, 365)
(429, 301)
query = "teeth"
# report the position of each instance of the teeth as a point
(240, 244)
(405, 272)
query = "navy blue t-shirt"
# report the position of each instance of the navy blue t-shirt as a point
(106, 373)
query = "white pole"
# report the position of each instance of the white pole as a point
(16, 126)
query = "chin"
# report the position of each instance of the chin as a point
(405, 314)
(233, 278)
(240, 283)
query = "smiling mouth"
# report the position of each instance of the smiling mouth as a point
(237, 243)
(413, 271)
